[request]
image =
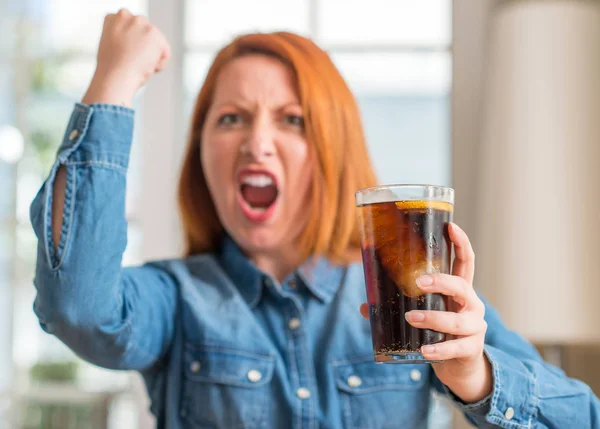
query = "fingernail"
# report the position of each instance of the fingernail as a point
(425, 281)
(414, 316)
(427, 349)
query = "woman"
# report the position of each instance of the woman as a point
(258, 326)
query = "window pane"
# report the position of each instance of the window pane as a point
(26, 253)
(67, 77)
(404, 101)
(217, 21)
(425, 22)
(408, 137)
(402, 73)
(7, 184)
(75, 25)
(6, 273)
(195, 68)
(6, 247)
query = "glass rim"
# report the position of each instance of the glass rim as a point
(403, 186)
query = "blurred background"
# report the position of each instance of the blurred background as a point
(499, 99)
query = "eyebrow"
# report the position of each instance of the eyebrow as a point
(245, 105)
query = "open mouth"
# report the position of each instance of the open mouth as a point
(259, 192)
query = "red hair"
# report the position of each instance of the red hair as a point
(333, 130)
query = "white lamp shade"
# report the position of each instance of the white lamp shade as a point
(538, 198)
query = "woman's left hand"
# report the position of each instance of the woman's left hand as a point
(464, 367)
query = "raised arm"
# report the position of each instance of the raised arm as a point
(113, 317)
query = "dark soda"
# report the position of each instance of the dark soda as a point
(402, 240)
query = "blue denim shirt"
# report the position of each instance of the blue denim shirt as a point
(222, 345)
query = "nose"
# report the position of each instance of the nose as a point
(260, 140)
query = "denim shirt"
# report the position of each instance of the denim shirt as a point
(222, 345)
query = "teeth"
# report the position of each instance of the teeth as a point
(257, 180)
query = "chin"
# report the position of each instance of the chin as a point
(257, 240)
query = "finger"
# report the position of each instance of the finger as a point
(453, 349)
(164, 59)
(364, 310)
(464, 261)
(141, 21)
(123, 12)
(108, 19)
(447, 322)
(122, 17)
(446, 284)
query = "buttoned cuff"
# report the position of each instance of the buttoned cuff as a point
(512, 403)
(99, 133)
(480, 408)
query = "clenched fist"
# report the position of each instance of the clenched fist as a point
(131, 50)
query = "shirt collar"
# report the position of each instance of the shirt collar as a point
(321, 277)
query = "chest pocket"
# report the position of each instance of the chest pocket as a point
(225, 388)
(382, 396)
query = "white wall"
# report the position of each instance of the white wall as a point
(469, 23)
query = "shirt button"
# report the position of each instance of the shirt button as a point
(354, 381)
(292, 284)
(415, 375)
(254, 376)
(303, 393)
(294, 323)
(73, 135)
(195, 366)
(510, 413)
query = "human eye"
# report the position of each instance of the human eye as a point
(229, 119)
(294, 120)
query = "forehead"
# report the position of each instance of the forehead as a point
(256, 77)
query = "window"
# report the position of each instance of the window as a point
(49, 63)
(394, 54)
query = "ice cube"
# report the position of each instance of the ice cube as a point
(407, 258)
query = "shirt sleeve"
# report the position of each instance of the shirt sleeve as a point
(121, 318)
(527, 392)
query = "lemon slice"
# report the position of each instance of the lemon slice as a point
(425, 204)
